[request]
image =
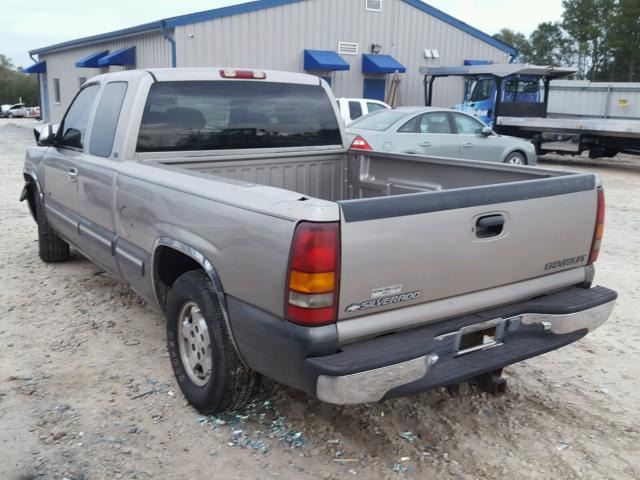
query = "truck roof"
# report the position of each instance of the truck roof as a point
(498, 70)
(210, 73)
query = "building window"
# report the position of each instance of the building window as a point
(373, 5)
(104, 69)
(347, 48)
(81, 81)
(56, 90)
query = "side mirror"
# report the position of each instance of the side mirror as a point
(72, 138)
(485, 131)
(45, 137)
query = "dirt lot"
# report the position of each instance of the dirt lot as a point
(86, 389)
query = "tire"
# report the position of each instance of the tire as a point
(205, 363)
(51, 247)
(515, 158)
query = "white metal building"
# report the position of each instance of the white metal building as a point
(354, 44)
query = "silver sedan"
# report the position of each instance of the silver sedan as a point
(439, 132)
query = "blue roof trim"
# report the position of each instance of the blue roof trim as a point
(91, 61)
(324, 60)
(147, 27)
(226, 11)
(372, 63)
(124, 56)
(40, 67)
(439, 14)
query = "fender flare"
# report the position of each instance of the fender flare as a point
(206, 265)
(34, 177)
(31, 179)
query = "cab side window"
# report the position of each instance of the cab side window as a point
(72, 130)
(356, 110)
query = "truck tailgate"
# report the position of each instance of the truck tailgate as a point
(408, 249)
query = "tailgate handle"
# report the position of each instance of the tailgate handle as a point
(489, 226)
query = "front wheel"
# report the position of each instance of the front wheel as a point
(209, 371)
(515, 158)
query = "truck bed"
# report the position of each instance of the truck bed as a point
(410, 224)
(338, 176)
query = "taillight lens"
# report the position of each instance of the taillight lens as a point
(312, 288)
(360, 143)
(599, 229)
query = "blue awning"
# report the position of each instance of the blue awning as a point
(124, 56)
(324, 60)
(91, 61)
(477, 62)
(381, 64)
(40, 67)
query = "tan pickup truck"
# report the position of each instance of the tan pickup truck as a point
(231, 200)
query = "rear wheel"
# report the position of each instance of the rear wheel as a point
(515, 158)
(209, 371)
(51, 247)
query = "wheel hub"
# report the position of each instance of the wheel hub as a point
(195, 344)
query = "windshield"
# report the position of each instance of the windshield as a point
(219, 115)
(482, 90)
(380, 120)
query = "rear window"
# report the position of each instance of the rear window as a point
(220, 115)
(380, 120)
(374, 107)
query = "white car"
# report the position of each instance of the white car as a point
(19, 110)
(354, 108)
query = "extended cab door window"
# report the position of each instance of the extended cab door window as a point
(72, 130)
(106, 119)
(233, 114)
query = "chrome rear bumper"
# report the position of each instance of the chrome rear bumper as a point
(521, 336)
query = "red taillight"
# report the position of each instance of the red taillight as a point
(312, 279)
(599, 229)
(243, 74)
(360, 143)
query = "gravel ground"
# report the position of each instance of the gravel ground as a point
(87, 392)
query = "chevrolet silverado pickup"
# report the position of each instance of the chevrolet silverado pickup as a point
(231, 200)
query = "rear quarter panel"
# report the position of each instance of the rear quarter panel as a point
(247, 242)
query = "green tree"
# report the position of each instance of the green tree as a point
(589, 23)
(550, 45)
(517, 40)
(624, 41)
(15, 85)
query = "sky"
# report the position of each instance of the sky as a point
(29, 24)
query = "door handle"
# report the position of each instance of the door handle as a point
(425, 144)
(72, 174)
(467, 145)
(489, 226)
